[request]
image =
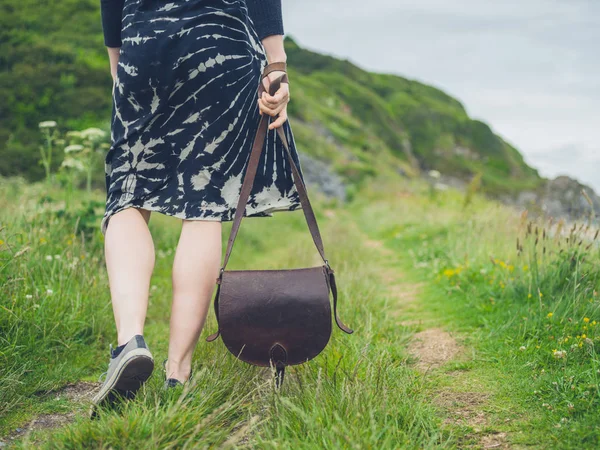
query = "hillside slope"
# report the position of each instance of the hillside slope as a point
(423, 127)
(360, 123)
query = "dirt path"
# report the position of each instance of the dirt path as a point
(432, 348)
(78, 394)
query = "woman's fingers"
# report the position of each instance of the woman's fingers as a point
(281, 111)
(279, 121)
(281, 96)
(275, 105)
(270, 110)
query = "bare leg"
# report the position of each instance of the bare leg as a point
(129, 253)
(195, 269)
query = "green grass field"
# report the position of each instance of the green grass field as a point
(518, 299)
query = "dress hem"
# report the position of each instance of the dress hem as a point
(262, 212)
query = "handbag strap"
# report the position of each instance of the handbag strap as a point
(251, 174)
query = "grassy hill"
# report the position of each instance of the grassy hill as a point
(374, 115)
(53, 66)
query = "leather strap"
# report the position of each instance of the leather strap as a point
(249, 181)
(338, 321)
(274, 67)
(213, 336)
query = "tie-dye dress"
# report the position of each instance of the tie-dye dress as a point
(185, 114)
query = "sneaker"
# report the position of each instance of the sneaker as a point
(171, 382)
(127, 372)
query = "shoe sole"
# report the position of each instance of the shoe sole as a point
(132, 372)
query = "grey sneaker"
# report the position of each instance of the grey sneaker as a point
(127, 372)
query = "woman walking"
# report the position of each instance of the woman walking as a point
(185, 113)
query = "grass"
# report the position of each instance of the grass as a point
(525, 297)
(362, 391)
(359, 391)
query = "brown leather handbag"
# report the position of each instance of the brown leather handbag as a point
(275, 318)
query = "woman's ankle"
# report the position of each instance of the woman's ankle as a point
(179, 370)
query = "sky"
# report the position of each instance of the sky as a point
(528, 68)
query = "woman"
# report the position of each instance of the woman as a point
(185, 112)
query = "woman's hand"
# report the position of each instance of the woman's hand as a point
(274, 105)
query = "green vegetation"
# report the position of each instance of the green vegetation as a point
(53, 65)
(526, 316)
(56, 325)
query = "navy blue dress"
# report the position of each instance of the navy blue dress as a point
(185, 114)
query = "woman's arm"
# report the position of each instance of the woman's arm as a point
(113, 57)
(112, 13)
(274, 105)
(267, 18)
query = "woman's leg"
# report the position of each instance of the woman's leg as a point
(129, 253)
(195, 270)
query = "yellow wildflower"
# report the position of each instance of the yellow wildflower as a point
(43, 240)
(541, 295)
(586, 320)
(69, 242)
(594, 322)
(449, 272)
(525, 268)
(511, 268)
(583, 336)
(550, 315)
(529, 296)
(1, 242)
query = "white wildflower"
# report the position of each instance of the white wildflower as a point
(560, 354)
(73, 164)
(522, 348)
(48, 257)
(29, 296)
(49, 291)
(57, 256)
(434, 174)
(73, 148)
(92, 133)
(47, 124)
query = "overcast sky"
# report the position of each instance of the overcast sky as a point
(529, 68)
